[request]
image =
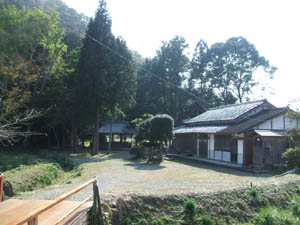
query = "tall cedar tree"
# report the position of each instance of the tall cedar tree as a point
(95, 65)
(105, 79)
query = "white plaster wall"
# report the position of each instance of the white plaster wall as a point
(218, 155)
(240, 158)
(278, 123)
(265, 125)
(227, 156)
(211, 146)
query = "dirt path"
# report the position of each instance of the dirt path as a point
(118, 175)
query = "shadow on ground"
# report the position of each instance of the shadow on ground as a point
(102, 156)
(145, 166)
(220, 169)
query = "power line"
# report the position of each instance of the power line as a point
(130, 61)
(118, 54)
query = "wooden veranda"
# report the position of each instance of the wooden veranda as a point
(51, 212)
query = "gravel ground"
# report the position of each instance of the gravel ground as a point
(118, 175)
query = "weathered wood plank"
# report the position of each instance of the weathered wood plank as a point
(12, 211)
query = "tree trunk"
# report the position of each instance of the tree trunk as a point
(177, 105)
(56, 137)
(110, 130)
(49, 137)
(63, 137)
(72, 138)
(96, 135)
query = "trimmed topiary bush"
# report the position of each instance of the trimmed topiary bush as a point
(153, 133)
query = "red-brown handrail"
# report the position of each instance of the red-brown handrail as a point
(1, 186)
(32, 218)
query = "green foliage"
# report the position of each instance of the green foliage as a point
(42, 180)
(200, 75)
(68, 15)
(231, 64)
(296, 209)
(190, 208)
(162, 126)
(127, 221)
(155, 129)
(140, 120)
(159, 222)
(139, 151)
(292, 157)
(155, 95)
(272, 216)
(254, 193)
(189, 212)
(267, 217)
(64, 162)
(205, 220)
(153, 132)
(297, 189)
(11, 160)
(104, 79)
(31, 55)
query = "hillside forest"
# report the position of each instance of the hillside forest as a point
(63, 74)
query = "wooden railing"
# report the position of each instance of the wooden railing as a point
(32, 218)
(1, 186)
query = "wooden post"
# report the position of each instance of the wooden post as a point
(1, 186)
(34, 221)
(96, 135)
(110, 129)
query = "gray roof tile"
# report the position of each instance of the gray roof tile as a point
(199, 129)
(117, 128)
(255, 120)
(225, 113)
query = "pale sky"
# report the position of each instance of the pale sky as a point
(271, 25)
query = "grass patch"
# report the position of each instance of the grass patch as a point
(30, 177)
(28, 171)
(276, 216)
(11, 160)
(259, 206)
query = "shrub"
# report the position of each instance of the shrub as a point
(266, 217)
(64, 162)
(205, 220)
(42, 180)
(126, 221)
(272, 216)
(292, 157)
(296, 209)
(297, 189)
(189, 212)
(254, 193)
(139, 151)
(159, 222)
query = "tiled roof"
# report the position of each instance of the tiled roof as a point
(254, 120)
(117, 128)
(271, 133)
(199, 129)
(225, 113)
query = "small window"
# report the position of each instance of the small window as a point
(268, 149)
